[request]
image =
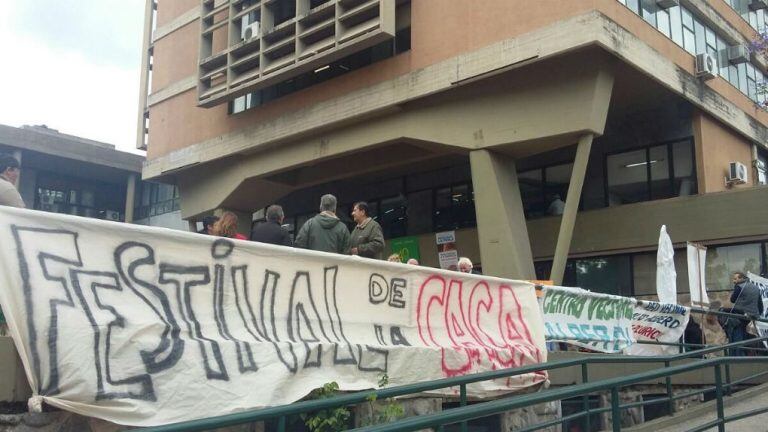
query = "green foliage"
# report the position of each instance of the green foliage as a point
(329, 420)
(389, 411)
(337, 419)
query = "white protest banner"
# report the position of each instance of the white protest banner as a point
(144, 326)
(697, 281)
(658, 322)
(762, 284)
(599, 322)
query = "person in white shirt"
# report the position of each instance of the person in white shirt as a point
(556, 206)
(9, 174)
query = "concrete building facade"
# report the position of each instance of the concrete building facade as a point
(555, 137)
(68, 174)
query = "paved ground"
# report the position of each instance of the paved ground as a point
(752, 424)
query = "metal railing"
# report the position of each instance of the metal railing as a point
(461, 415)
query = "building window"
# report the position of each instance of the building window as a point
(693, 35)
(155, 199)
(635, 274)
(724, 260)
(608, 274)
(393, 216)
(283, 11)
(454, 207)
(644, 273)
(650, 173)
(543, 190)
(68, 195)
(761, 166)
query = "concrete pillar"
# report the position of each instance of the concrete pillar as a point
(505, 249)
(571, 208)
(192, 224)
(130, 197)
(144, 77)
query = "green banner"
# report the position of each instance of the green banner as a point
(406, 247)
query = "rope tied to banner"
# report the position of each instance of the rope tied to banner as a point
(35, 404)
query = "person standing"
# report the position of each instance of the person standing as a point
(226, 226)
(9, 196)
(366, 239)
(466, 266)
(208, 223)
(272, 230)
(324, 232)
(746, 300)
(9, 175)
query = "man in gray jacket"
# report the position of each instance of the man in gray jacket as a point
(367, 239)
(324, 232)
(747, 300)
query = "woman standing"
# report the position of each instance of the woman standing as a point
(226, 226)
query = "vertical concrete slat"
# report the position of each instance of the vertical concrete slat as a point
(144, 75)
(505, 249)
(571, 208)
(130, 197)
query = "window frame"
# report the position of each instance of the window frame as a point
(648, 179)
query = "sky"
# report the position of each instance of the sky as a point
(73, 65)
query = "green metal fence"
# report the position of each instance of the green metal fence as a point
(720, 367)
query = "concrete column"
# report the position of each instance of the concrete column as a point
(571, 208)
(130, 197)
(505, 249)
(144, 77)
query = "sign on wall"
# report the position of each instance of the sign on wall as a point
(599, 322)
(406, 247)
(658, 322)
(144, 326)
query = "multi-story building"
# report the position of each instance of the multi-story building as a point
(67, 174)
(555, 137)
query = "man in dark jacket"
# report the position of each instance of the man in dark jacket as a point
(747, 300)
(324, 232)
(272, 231)
(367, 239)
(208, 222)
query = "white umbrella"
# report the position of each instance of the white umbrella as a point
(666, 276)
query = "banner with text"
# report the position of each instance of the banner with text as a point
(598, 322)
(657, 322)
(144, 326)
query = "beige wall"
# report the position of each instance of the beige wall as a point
(716, 147)
(174, 61)
(167, 10)
(431, 42)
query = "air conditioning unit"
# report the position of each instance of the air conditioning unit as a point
(758, 4)
(737, 173)
(738, 54)
(706, 66)
(112, 215)
(666, 4)
(252, 30)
